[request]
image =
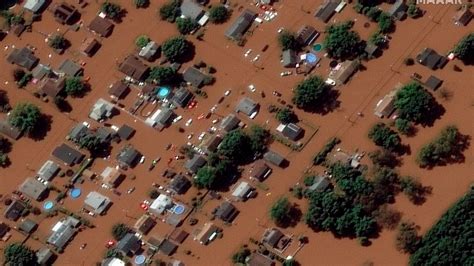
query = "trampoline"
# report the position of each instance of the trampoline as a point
(311, 58)
(48, 205)
(178, 209)
(75, 193)
(163, 92)
(317, 47)
(140, 260)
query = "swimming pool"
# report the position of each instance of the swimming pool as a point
(163, 92)
(317, 47)
(48, 205)
(75, 193)
(178, 209)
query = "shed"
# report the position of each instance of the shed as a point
(33, 188)
(28, 226)
(179, 184)
(260, 171)
(68, 155)
(149, 51)
(326, 10)
(125, 132)
(101, 110)
(181, 97)
(463, 16)
(242, 191)
(194, 76)
(14, 210)
(178, 235)
(23, 57)
(129, 244)
(90, 46)
(48, 170)
(65, 13)
(118, 90)
(247, 106)
(70, 68)
(44, 256)
(274, 158)
(101, 26)
(243, 22)
(229, 122)
(96, 202)
(9, 131)
(306, 35)
(195, 163)
(191, 9)
(226, 212)
(144, 224)
(289, 58)
(433, 83)
(128, 156)
(134, 68)
(34, 5)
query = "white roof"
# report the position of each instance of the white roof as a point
(242, 189)
(34, 5)
(152, 120)
(160, 204)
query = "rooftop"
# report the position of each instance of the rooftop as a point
(101, 26)
(237, 30)
(68, 155)
(33, 188)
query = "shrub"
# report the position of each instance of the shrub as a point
(218, 14)
(286, 116)
(142, 41)
(58, 42)
(407, 239)
(112, 10)
(385, 137)
(328, 147)
(186, 25)
(170, 11)
(120, 230)
(141, 3)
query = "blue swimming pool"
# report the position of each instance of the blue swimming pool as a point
(178, 209)
(48, 205)
(75, 193)
(163, 92)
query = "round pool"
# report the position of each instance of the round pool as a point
(75, 193)
(311, 58)
(163, 92)
(140, 260)
(48, 205)
(178, 209)
(317, 47)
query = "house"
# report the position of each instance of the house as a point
(194, 77)
(243, 191)
(179, 184)
(52, 87)
(112, 177)
(431, 59)
(274, 158)
(41, 71)
(66, 154)
(289, 58)
(247, 106)
(34, 6)
(112, 262)
(386, 106)
(463, 16)
(212, 143)
(398, 10)
(192, 10)
(149, 51)
(125, 132)
(327, 10)
(344, 71)
(195, 163)
(104, 134)
(118, 90)
(260, 171)
(63, 231)
(274, 238)
(206, 234)
(161, 119)
(33, 188)
(181, 97)
(101, 110)
(96, 203)
(101, 26)
(65, 13)
(48, 170)
(129, 244)
(79, 131)
(14, 210)
(226, 212)
(371, 50)
(320, 183)
(90, 46)
(291, 131)
(306, 35)
(44, 256)
(433, 83)
(28, 226)
(257, 259)
(167, 247)
(144, 224)
(161, 204)
(134, 68)
(23, 57)
(70, 68)
(178, 235)
(237, 30)
(230, 122)
(128, 157)
(4, 228)
(9, 131)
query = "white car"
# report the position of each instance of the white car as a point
(215, 121)
(227, 92)
(280, 29)
(285, 73)
(252, 88)
(142, 160)
(189, 122)
(177, 119)
(201, 136)
(255, 59)
(190, 136)
(253, 115)
(248, 52)
(330, 82)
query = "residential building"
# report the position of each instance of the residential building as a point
(226, 212)
(101, 26)
(260, 171)
(9, 131)
(320, 183)
(274, 238)
(44, 256)
(101, 110)
(257, 259)
(194, 76)
(179, 184)
(433, 83)
(237, 30)
(129, 244)
(34, 6)
(113, 262)
(327, 9)
(33, 188)
(306, 35)
(134, 68)
(386, 106)
(48, 170)
(274, 158)
(230, 122)
(289, 58)
(161, 204)
(14, 210)
(28, 226)
(149, 51)
(206, 234)
(118, 90)
(70, 68)
(41, 71)
(23, 57)
(65, 13)
(69, 156)
(96, 203)
(125, 132)
(195, 163)
(144, 224)
(192, 10)
(243, 191)
(247, 106)
(181, 97)
(161, 119)
(211, 144)
(63, 231)
(291, 131)
(128, 157)
(431, 59)
(112, 177)
(90, 46)
(344, 71)
(398, 10)
(52, 87)
(167, 247)
(463, 16)
(178, 235)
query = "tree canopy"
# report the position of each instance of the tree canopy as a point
(170, 11)
(58, 42)
(75, 87)
(287, 41)
(175, 48)
(186, 25)
(112, 10)
(25, 117)
(310, 93)
(19, 254)
(280, 212)
(163, 75)
(241, 255)
(464, 50)
(236, 146)
(404, 126)
(407, 239)
(286, 115)
(218, 14)
(206, 177)
(385, 22)
(341, 42)
(414, 103)
(141, 3)
(119, 230)
(383, 136)
(142, 41)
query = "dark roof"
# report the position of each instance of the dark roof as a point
(292, 131)
(118, 89)
(193, 76)
(64, 13)
(23, 57)
(14, 210)
(145, 224)
(212, 143)
(70, 68)
(246, 106)
(178, 235)
(191, 9)
(433, 82)
(179, 184)
(125, 132)
(52, 87)
(101, 26)
(306, 35)
(90, 46)
(289, 58)
(167, 247)
(257, 259)
(4, 228)
(229, 122)
(104, 134)
(28, 226)
(129, 244)
(260, 170)
(272, 237)
(128, 156)
(68, 155)
(194, 164)
(274, 158)
(463, 16)
(78, 131)
(431, 59)
(241, 25)
(9, 131)
(182, 97)
(33, 188)
(327, 10)
(134, 68)
(227, 212)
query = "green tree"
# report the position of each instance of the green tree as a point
(310, 93)
(383, 158)
(75, 87)
(206, 177)
(58, 42)
(413, 189)
(25, 117)
(175, 48)
(287, 41)
(374, 13)
(447, 147)
(258, 139)
(240, 256)
(114, 253)
(280, 212)
(186, 25)
(413, 10)
(377, 38)
(414, 103)
(464, 50)
(404, 126)
(218, 14)
(19, 254)
(383, 136)
(236, 147)
(163, 75)
(112, 10)
(286, 116)
(4, 160)
(141, 3)
(385, 22)
(92, 143)
(142, 41)
(170, 11)
(341, 42)
(119, 230)
(407, 239)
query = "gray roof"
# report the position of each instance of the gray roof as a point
(63, 231)
(48, 170)
(241, 25)
(79, 131)
(327, 10)
(320, 183)
(33, 188)
(179, 184)
(194, 164)
(229, 122)
(128, 156)
(246, 106)
(182, 97)
(433, 82)
(125, 132)
(289, 58)
(272, 236)
(129, 244)
(23, 57)
(104, 134)
(43, 255)
(8, 130)
(347, 69)
(191, 9)
(167, 247)
(102, 109)
(431, 59)
(68, 155)
(193, 76)
(149, 50)
(398, 8)
(292, 131)
(274, 158)
(28, 226)
(41, 71)
(96, 202)
(14, 210)
(70, 68)
(227, 212)
(34, 5)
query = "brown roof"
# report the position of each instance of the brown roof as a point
(101, 26)
(118, 89)
(257, 259)
(133, 67)
(207, 230)
(112, 176)
(385, 106)
(17, 29)
(52, 87)
(463, 16)
(64, 13)
(145, 224)
(260, 170)
(89, 46)
(9, 131)
(178, 235)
